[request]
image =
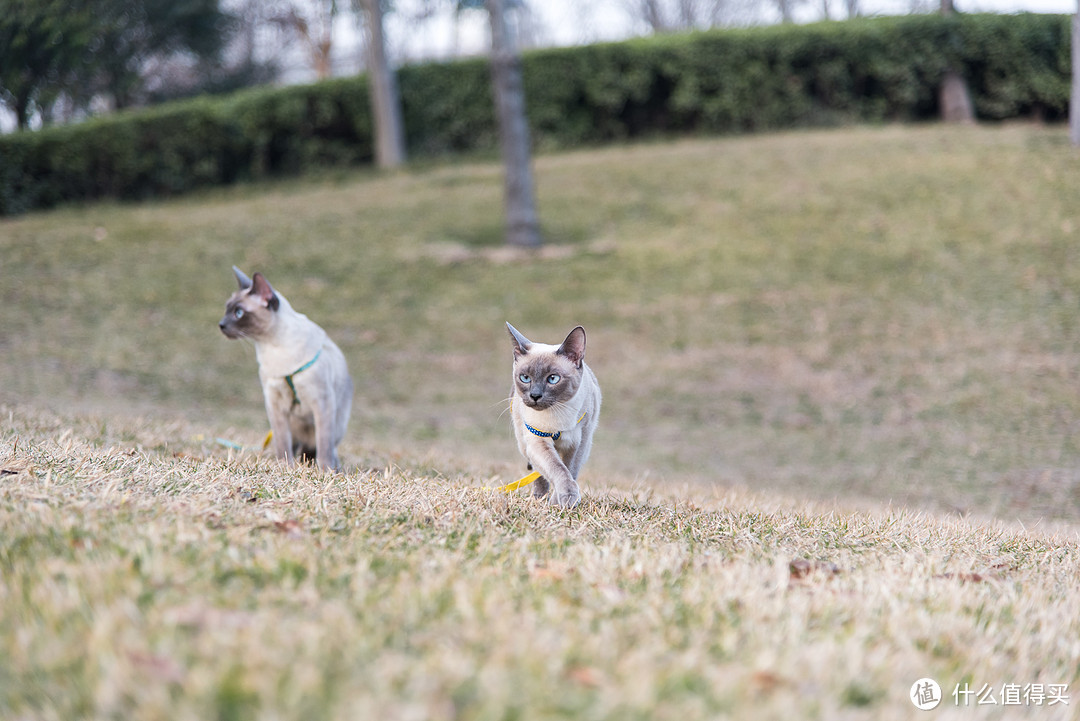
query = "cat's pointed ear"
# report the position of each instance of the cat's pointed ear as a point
(573, 348)
(242, 279)
(260, 288)
(521, 343)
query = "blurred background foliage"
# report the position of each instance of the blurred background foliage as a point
(717, 81)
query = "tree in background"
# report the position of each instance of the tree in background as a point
(136, 38)
(665, 16)
(382, 85)
(312, 23)
(662, 16)
(250, 56)
(1074, 97)
(955, 98)
(45, 47)
(54, 49)
(522, 226)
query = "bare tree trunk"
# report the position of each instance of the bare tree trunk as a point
(651, 12)
(320, 57)
(1074, 100)
(954, 97)
(382, 85)
(22, 110)
(522, 227)
(786, 10)
(687, 14)
(315, 28)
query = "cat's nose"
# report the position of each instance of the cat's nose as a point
(536, 395)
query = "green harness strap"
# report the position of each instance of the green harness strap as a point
(301, 369)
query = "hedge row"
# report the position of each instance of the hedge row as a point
(714, 82)
(176, 147)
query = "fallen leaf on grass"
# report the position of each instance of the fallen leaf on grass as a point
(584, 675)
(765, 681)
(969, 577)
(802, 568)
(962, 577)
(290, 527)
(161, 667)
(555, 572)
(199, 616)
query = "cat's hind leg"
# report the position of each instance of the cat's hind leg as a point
(306, 453)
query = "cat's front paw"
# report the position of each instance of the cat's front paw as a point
(565, 497)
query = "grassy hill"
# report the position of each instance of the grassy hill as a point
(816, 349)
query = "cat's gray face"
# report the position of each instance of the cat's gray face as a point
(543, 380)
(250, 311)
(546, 375)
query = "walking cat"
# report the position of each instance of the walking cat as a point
(554, 407)
(305, 381)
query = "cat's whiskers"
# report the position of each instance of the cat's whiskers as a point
(246, 338)
(509, 402)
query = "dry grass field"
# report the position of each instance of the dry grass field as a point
(142, 576)
(838, 452)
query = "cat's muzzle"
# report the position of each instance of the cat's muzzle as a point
(229, 330)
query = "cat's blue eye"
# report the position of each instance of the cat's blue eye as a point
(554, 378)
(238, 313)
(524, 378)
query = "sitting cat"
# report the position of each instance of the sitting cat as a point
(554, 407)
(305, 382)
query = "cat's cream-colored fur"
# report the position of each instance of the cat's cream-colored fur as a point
(555, 408)
(305, 381)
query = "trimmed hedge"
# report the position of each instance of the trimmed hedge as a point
(175, 147)
(723, 81)
(866, 70)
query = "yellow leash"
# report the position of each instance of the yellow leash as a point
(519, 483)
